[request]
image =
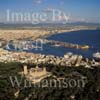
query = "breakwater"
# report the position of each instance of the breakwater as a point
(66, 44)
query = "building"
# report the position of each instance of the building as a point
(36, 74)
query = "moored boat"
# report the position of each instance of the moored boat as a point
(96, 55)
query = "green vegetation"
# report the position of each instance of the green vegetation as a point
(6, 70)
(91, 91)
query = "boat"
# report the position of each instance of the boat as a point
(25, 48)
(8, 47)
(56, 45)
(96, 55)
(85, 47)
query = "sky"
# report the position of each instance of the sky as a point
(78, 10)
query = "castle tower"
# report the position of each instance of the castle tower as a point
(25, 70)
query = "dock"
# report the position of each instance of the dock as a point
(66, 44)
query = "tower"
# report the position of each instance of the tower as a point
(25, 70)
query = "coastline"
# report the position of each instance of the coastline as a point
(46, 34)
(32, 58)
(71, 30)
(33, 34)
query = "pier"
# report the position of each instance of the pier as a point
(66, 44)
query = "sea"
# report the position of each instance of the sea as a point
(82, 37)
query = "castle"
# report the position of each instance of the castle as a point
(35, 74)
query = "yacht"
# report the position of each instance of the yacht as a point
(96, 55)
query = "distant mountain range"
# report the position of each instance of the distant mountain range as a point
(22, 25)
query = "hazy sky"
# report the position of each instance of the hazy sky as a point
(89, 10)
